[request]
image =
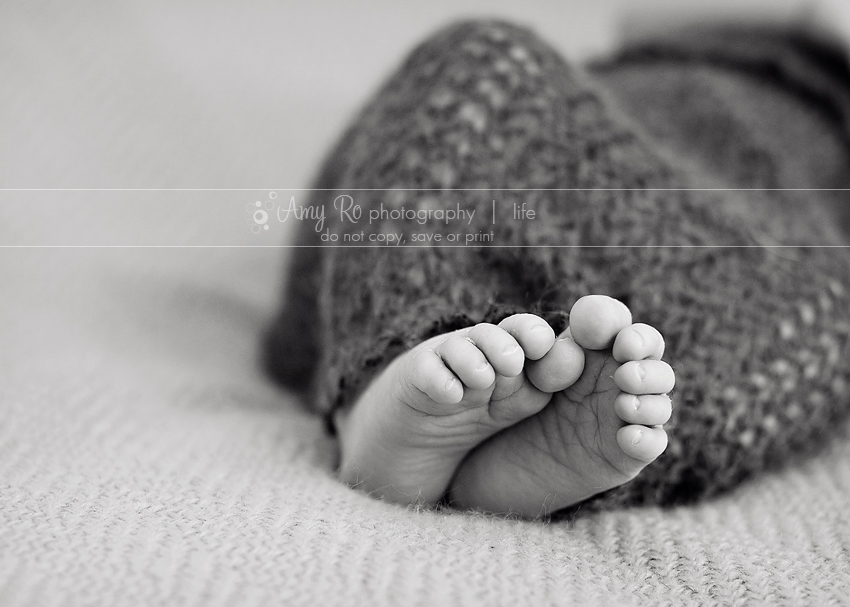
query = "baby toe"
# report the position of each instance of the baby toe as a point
(559, 369)
(534, 334)
(427, 373)
(595, 320)
(642, 443)
(467, 362)
(645, 377)
(637, 342)
(648, 410)
(502, 350)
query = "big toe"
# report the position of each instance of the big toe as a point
(559, 368)
(532, 332)
(595, 320)
(502, 350)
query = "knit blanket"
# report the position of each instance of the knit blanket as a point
(144, 460)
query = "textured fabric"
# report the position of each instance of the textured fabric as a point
(759, 338)
(143, 461)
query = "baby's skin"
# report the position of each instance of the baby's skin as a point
(566, 417)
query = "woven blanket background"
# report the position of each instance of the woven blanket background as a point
(143, 458)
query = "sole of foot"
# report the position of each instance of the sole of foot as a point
(597, 434)
(405, 436)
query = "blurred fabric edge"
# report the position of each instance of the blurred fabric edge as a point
(826, 20)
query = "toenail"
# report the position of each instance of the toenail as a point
(637, 437)
(641, 372)
(538, 327)
(449, 384)
(640, 336)
(510, 349)
(636, 403)
(483, 366)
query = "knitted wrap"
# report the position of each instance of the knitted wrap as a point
(758, 336)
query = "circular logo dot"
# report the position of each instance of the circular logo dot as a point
(249, 208)
(266, 227)
(260, 217)
(258, 204)
(269, 205)
(272, 195)
(255, 229)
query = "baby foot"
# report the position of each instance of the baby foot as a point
(595, 435)
(407, 433)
